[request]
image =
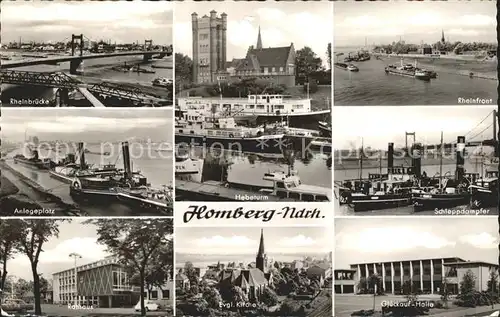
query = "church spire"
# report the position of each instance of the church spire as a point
(261, 258)
(259, 41)
(262, 250)
(442, 36)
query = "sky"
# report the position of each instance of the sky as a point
(307, 24)
(73, 237)
(242, 241)
(366, 240)
(377, 126)
(87, 125)
(383, 22)
(119, 21)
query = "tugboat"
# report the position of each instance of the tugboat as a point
(451, 192)
(348, 67)
(223, 132)
(34, 161)
(484, 191)
(184, 165)
(162, 82)
(124, 185)
(382, 191)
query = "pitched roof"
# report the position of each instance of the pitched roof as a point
(265, 57)
(244, 278)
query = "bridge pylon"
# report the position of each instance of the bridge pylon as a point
(148, 45)
(79, 38)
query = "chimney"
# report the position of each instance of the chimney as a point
(390, 158)
(459, 173)
(416, 159)
(126, 160)
(81, 152)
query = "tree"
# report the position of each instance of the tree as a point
(8, 240)
(32, 234)
(269, 297)
(445, 293)
(183, 68)
(137, 244)
(467, 285)
(329, 54)
(374, 282)
(213, 297)
(362, 285)
(306, 62)
(493, 283)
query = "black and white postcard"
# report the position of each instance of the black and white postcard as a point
(416, 161)
(65, 267)
(249, 271)
(86, 54)
(92, 162)
(415, 53)
(253, 101)
(430, 267)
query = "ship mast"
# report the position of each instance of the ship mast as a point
(361, 161)
(441, 164)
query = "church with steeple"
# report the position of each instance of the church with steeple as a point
(275, 64)
(252, 281)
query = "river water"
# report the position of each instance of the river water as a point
(157, 167)
(100, 68)
(371, 86)
(431, 170)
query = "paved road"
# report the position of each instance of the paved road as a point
(63, 311)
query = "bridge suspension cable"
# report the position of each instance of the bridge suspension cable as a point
(481, 132)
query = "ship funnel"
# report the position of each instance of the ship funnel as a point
(460, 171)
(390, 157)
(416, 159)
(81, 153)
(126, 160)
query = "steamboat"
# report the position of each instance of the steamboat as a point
(34, 161)
(123, 185)
(252, 107)
(484, 191)
(408, 70)
(224, 134)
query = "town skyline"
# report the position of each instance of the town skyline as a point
(381, 125)
(245, 241)
(370, 240)
(122, 22)
(85, 125)
(382, 23)
(245, 19)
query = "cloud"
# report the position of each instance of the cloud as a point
(271, 14)
(297, 241)
(390, 239)
(478, 20)
(482, 240)
(220, 241)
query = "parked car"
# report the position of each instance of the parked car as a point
(16, 305)
(149, 305)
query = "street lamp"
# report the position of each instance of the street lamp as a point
(75, 256)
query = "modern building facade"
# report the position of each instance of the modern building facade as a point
(209, 46)
(426, 275)
(101, 284)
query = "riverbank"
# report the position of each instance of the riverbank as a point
(20, 192)
(452, 64)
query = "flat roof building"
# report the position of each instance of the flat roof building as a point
(424, 275)
(103, 283)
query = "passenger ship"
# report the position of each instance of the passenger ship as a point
(252, 106)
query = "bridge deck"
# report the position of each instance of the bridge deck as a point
(90, 97)
(60, 59)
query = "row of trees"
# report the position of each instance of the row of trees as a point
(307, 63)
(145, 248)
(401, 47)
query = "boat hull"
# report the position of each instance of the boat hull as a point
(483, 198)
(252, 145)
(39, 165)
(61, 177)
(378, 202)
(423, 202)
